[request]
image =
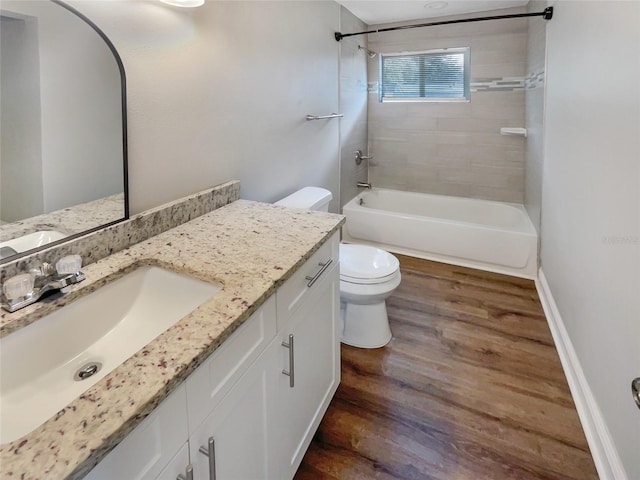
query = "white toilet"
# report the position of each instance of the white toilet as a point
(368, 275)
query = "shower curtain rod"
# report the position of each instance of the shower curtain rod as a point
(547, 14)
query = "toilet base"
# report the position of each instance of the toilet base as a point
(365, 326)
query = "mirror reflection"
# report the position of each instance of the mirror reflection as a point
(63, 136)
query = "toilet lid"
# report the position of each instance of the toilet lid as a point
(362, 263)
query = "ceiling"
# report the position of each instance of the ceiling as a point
(374, 12)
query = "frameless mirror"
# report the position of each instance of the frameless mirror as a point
(63, 154)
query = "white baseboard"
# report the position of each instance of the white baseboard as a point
(605, 455)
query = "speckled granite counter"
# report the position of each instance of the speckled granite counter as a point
(249, 248)
(70, 220)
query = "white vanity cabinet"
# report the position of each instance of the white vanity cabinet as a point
(263, 426)
(251, 409)
(302, 399)
(213, 380)
(229, 402)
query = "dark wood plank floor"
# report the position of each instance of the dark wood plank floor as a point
(470, 387)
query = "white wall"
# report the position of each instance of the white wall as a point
(20, 147)
(591, 203)
(221, 91)
(80, 127)
(353, 104)
(81, 115)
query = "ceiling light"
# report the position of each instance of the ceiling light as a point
(436, 5)
(184, 3)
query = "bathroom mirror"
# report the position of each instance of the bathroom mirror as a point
(63, 158)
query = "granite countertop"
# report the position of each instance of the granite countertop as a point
(70, 220)
(248, 248)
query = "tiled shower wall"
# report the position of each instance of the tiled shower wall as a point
(534, 105)
(455, 148)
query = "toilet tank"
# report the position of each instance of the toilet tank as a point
(311, 198)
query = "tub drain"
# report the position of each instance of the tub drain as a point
(86, 371)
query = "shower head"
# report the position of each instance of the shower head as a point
(370, 53)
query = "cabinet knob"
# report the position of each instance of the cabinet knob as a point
(210, 451)
(188, 472)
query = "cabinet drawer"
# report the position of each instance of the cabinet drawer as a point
(145, 452)
(294, 291)
(215, 377)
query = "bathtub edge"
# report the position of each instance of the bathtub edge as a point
(521, 273)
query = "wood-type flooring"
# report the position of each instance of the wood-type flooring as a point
(470, 387)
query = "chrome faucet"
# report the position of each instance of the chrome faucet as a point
(360, 157)
(27, 288)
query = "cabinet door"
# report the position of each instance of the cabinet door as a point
(316, 365)
(214, 379)
(238, 429)
(177, 466)
(144, 453)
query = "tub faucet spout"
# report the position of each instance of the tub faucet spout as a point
(364, 185)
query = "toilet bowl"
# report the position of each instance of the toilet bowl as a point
(368, 275)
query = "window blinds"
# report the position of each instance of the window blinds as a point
(425, 75)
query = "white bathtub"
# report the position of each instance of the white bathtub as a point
(493, 236)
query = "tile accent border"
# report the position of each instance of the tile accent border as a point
(139, 228)
(535, 80)
(493, 84)
(497, 84)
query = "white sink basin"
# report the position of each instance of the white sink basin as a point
(33, 240)
(38, 362)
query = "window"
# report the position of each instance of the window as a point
(430, 76)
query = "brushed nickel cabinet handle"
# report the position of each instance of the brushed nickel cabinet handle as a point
(291, 372)
(313, 279)
(210, 451)
(189, 474)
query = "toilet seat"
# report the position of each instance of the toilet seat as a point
(370, 281)
(366, 265)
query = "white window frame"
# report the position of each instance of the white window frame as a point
(467, 77)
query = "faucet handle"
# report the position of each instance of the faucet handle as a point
(18, 286)
(69, 264)
(360, 157)
(43, 270)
